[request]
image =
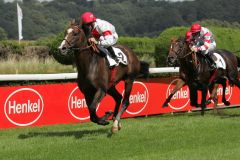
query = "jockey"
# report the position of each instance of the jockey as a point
(203, 41)
(103, 33)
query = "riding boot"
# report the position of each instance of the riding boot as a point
(211, 61)
(112, 54)
(103, 51)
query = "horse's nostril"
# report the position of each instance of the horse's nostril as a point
(64, 48)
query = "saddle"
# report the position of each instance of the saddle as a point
(209, 58)
(121, 57)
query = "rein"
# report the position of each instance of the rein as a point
(180, 51)
(84, 48)
(92, 45)
(181, 57)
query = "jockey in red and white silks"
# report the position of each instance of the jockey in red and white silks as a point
(103, 32)
(202, 39)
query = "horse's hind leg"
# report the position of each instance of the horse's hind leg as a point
(117, 98)
(125, 104)
(215, 100)
(237, 83)
(233, 77)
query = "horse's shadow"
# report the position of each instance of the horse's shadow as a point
(76, 134)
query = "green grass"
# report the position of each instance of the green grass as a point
(182, 136)
(33, 66)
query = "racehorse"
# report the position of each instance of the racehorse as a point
(195, 71)
(172, 60)
(95, 78)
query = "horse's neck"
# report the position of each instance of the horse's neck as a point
(186, 64)
(188, 69)
(87, 63)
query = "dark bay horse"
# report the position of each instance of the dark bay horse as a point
(184, 79)
(195, 72)
(96, 79)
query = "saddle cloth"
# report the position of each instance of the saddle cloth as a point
(218, 59)
(120, 55)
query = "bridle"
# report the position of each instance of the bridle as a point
(88, 46)
(180, 51)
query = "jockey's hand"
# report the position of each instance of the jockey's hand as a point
(194, 49)
(93, 40)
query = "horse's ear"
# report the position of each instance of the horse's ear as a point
(72, 22)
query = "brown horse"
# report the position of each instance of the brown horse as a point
(96, 79)
(195, 71)
(184, 79)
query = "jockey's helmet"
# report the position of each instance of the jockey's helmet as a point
(195, 28)
(88, 17)
(188, 36)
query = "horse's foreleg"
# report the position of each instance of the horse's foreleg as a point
(213, 97)
(215, 100)
(128, 88)
(203, 101)
(213, 90)
(224, 85)
(92, 108)
(193, 96)
(179, 85)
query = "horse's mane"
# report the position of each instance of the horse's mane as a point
(181, 39)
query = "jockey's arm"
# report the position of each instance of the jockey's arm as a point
(205, 43)
(106, 41)
(201, 48)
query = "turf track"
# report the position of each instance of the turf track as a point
(182, 136)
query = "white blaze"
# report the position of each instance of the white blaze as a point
(64, 41)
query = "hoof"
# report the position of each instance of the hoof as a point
(208, 102)
(119, 126)
(165, 105)
(103, 122)
(114, 129)
(94, 120)
(109, 113)
(195, 105)
(227, 103)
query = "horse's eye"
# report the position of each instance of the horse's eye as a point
(75, 34)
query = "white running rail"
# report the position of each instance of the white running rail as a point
(64, 76)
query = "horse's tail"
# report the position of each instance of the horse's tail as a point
(238, 61)
(144, 69)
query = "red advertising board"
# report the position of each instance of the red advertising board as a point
(48, 104)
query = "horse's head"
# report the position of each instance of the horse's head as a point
(74, 38)
(178, 49)
(172, 53)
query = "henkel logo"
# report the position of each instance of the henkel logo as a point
(138, 98)
(77, 105)
(180, 99)
(24, 107)
(228, 94)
